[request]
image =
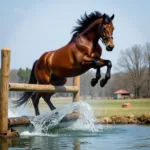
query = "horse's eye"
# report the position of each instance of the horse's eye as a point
(104, 29)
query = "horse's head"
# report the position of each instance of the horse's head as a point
(106, 32)
(100, 25)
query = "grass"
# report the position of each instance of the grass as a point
(114, 107)
(107, 107)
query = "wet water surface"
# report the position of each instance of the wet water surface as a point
(82, 134)
(128, 137)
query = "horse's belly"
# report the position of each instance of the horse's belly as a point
(66, 72)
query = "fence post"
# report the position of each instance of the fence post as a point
(76, 82)
(5, 68)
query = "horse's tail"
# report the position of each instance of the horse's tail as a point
(26, 95)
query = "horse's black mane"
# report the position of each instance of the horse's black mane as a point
(85, 21)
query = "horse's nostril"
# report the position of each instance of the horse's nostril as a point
(109, 48)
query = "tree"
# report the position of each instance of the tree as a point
(132, 61)
(13, 75)
(84, 85)
(21, 75)
(24, 75)
(147, 56)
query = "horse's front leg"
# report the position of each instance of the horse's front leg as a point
(97, 64)
(94, 63)
(108, 72)
(94, 81)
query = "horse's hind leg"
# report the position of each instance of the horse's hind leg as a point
(47, 97)
(56, 81)
(45, 76)
(42, 73)
(35, 100)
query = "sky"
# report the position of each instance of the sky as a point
(31, 27)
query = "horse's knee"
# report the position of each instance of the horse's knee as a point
(107, 76)
(35, 104)
(109, 64)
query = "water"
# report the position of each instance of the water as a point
(80, 135)
(127, 137)
(44, 123)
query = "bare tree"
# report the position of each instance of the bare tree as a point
(132, 61)
(147, 56)
(85, 85)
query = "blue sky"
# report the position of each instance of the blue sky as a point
(31, 27)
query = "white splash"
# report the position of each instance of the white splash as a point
(27, 133)
(18, 111)
(43, 123)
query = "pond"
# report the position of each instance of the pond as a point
(82, 134)
(111, 137)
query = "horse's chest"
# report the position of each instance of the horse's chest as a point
(87, 49)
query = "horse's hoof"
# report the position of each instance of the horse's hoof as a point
(93, 82)
(103, 82)
(53, 108)
(56, 113)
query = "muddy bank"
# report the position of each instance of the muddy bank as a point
(128, 119)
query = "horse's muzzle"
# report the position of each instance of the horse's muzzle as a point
(109, 48)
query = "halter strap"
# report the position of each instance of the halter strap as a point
(102, 37)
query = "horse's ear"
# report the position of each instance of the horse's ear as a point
(112, 17)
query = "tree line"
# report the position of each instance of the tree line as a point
(132, 74)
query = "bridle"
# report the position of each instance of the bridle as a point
(102, 37)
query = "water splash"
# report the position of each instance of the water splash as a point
(28, 133)
(44, 123)
(17, 112)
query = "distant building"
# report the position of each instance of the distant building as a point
(121, 94)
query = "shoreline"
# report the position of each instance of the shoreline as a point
(143, 119)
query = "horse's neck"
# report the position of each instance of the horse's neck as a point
(87, 47)
(92, 33)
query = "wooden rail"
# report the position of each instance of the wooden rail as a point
(42, 88)
(26, 120)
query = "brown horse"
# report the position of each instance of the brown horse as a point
(78, 56)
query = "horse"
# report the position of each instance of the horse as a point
(80, 54)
